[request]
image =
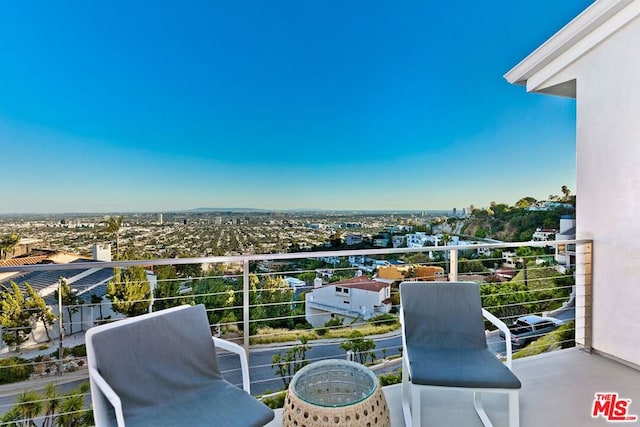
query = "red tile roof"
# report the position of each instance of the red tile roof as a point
(362, 282)
(16, 262)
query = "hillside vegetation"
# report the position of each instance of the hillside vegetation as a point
(511, 223)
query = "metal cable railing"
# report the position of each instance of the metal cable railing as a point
(259, 308)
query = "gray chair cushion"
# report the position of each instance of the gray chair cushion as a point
(167, 365)
(446, 343)
(220, 404)
(449, 367)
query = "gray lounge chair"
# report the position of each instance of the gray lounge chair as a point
(161, 369)
(445, 347)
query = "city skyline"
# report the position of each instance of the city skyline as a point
(277, 106)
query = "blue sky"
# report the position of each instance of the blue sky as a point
(152, 106)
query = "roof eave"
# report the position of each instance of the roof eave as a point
(567, 37)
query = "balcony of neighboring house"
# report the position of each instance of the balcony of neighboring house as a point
(558, 386)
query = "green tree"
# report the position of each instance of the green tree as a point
(361, 347)
(72, 412)
(29, 406)
(189, 270)
(218, 296)
(308, 277)
(129, 291)
(525, 202)
(167, 291)
(291, 361)
(113, 224)
(14, 315)
(65, 411)
(566, 193)
(70, 301)
(39, 310)
(277, 298)
(51, 404)
(97, 301)
(7, 243)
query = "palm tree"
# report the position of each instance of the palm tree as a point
(7, 243)
(51, 405)
(29, 406)
(566, 192)
(72, 411)
(113, 225)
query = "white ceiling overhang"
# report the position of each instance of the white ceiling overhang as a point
(544, 70)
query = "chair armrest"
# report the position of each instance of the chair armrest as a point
(244, 363)
(109, 393)
(507, 333)
(405, 355)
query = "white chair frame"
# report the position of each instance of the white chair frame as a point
(411, 393)
(100, 386)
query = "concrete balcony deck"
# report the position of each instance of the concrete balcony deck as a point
(558, 389)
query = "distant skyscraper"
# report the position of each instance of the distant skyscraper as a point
(160, 218)
(454, 211)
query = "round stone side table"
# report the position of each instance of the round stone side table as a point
(336, 393)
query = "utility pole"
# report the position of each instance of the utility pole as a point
(60, 327)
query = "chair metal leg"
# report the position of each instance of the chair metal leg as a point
(477, 403)
(406, 391)
(514, 409)
(416, 406)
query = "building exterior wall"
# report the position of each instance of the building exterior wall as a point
(321, 303)
(602, 58)
(608, 178)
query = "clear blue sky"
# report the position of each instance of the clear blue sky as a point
(151, 106)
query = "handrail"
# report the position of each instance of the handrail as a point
(279, 256)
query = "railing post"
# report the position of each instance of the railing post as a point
(245, 305)
(453, 265)
(583, 302)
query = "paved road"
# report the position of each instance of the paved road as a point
(264, 378)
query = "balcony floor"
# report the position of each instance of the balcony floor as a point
(557, 390)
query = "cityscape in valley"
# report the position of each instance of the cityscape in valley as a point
(319, 213)
(207, 232)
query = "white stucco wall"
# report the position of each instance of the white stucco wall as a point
(608, 186)
(599, 51)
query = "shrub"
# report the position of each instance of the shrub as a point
(391, 378)
(276, 401)
(14, 369)
(384, 319)
(336, 321)
(322, 331)
(78, 351)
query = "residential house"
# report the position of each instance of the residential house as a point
(86, 283)
(353, 239)
(543, 234)
(418, 240)
(566, 254)
(396, 273)
(359, 298)
(398, 241)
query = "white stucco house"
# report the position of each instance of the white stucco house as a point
(566, 254)
(351, 299)
(596, 60)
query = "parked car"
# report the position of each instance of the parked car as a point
(529, 328)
